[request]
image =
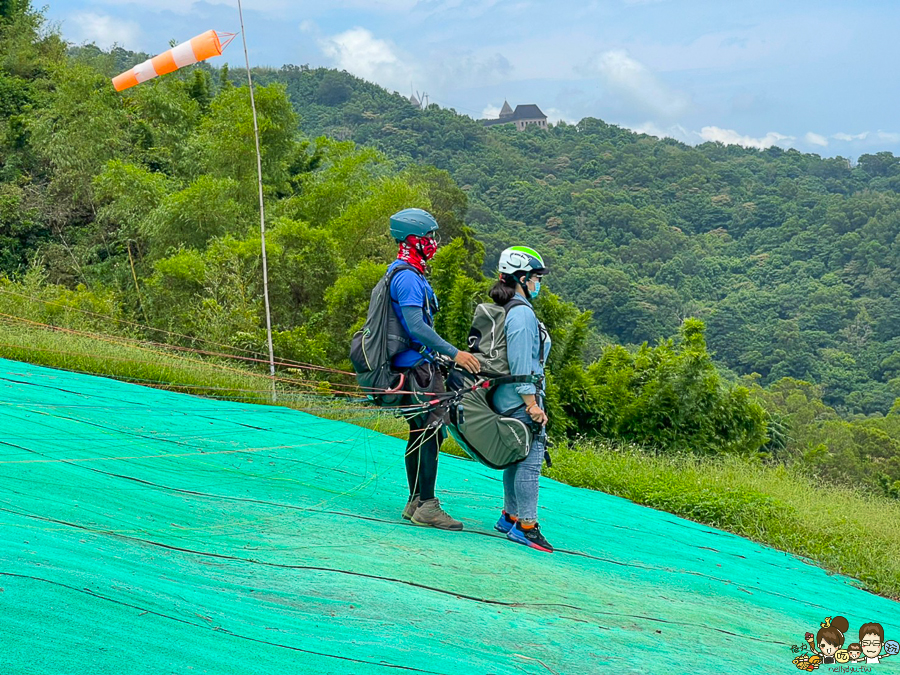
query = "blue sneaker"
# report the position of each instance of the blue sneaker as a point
(505, 524)
(531, 537)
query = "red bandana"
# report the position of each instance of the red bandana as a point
(417, 251)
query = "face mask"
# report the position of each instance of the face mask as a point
(427, 247)
(537, 289)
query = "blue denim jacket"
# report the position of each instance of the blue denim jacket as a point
(523, 351)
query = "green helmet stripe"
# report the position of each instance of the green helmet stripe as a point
(529, 251)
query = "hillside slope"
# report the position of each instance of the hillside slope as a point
(146, 531)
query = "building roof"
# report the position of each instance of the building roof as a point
(505, 110)
(528, 111)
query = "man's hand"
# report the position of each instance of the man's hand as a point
(467, 361)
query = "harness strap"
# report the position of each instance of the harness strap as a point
(514, 379)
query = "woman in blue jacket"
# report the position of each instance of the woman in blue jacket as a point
(527, 347)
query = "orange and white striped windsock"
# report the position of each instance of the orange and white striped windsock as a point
(197, 49)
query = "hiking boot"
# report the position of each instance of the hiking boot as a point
(431, 514)
(505, 524)
(531, 537)
(411, 507)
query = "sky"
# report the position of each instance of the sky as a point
(818, 76)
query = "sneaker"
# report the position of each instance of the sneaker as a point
(430, 513)
(505, 524)
(531, 537)
(410, 508)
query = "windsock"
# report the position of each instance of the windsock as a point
(197, 49)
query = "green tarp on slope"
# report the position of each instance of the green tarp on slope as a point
(149, 532)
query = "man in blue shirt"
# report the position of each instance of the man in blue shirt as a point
(415, 304)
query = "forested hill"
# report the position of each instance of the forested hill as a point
(792, 260)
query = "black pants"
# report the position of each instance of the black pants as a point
(425, 432)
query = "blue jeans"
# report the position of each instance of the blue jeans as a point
(521, 481)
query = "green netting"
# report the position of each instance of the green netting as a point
(150, 532)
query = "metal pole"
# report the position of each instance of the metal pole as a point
(262, 208)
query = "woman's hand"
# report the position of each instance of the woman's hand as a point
(536, 414)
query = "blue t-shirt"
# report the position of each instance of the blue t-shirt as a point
(411, 289)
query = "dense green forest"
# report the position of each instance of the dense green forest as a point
(141, 207)
(790, 259)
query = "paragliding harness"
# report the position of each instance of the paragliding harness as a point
(489, 437)
(381, 338)
(492, 438)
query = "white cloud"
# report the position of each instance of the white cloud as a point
(102, 29)
(632, 80)
(889, 136)
(555, 115)
(850, 137)
(359, 52)
(732, 137)
(816, 139)
(490, 112)
(676, 131)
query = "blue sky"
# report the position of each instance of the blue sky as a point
(817, 76)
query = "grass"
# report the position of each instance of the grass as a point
(844, 530)
(173, 370)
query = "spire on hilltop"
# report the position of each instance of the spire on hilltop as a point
(506, 110)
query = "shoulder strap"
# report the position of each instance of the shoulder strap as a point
(399, 268)
(390, 274)
(516, 301)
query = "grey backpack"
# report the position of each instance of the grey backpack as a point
(382, 337)
(485, 435)
(487, 337)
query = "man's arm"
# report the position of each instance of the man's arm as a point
(409, 295)
(425, 334)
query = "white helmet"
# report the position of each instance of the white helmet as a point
(521, 259)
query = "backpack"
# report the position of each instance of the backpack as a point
(381, 338)
(485, 435)
(487, 337)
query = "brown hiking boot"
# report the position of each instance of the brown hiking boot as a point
(411, 507)
(430, 514)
